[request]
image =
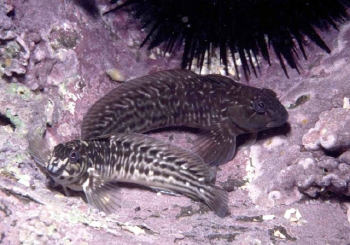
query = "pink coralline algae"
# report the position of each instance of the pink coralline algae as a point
(323, 176)
(53, 62)
(331, 132)
(330, 136)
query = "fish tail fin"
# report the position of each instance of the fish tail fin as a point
(217, 200)
(40, 149)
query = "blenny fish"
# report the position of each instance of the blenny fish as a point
(96, 165)
(218, 105)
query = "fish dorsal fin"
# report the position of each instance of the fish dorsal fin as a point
(124, 96)
(222, 80)
(192, 162)
(100, 193)
(216, 146)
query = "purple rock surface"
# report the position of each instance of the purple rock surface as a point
(290, 187)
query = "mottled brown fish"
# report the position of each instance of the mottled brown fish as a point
(219, 106)
(95, 165)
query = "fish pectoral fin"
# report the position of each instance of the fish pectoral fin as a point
(251, 140)
(66, 191)
(103, 194)
(65, 188)
(216, 146)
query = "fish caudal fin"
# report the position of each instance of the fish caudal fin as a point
(215, 147)
(217, 200)
(40, 149)
(103, 195)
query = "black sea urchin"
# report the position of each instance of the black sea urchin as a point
(244, 27)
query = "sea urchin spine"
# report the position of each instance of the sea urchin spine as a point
(248, 28)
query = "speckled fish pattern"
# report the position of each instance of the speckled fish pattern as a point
(96, 165)
(219, 106)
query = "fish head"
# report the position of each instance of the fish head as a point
(67, 164)
(257, 109)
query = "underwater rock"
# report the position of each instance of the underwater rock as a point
(330, 136)
(60, 85)
(321, 176)
(14, 53)
(331, 132)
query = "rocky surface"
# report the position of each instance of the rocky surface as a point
(290, 187)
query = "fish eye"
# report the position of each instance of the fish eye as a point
(74, 156)
(259, 106)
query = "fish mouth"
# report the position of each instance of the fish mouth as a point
(274, 124)
(280, 119)
(54, 171)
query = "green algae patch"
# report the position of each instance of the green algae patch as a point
(22, 91)
(14, 118)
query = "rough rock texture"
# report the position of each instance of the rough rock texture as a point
(331, 132)
(290, 187)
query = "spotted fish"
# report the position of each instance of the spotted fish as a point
(95, 165)
(219, 106)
